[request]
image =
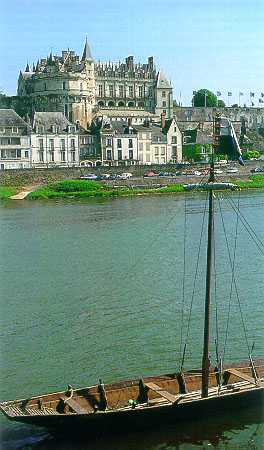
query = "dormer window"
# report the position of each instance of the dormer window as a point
(71, 129)
(40, 129)
(14, 130)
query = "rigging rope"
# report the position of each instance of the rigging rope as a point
(194, 285)
(233, 283)
(248, 227)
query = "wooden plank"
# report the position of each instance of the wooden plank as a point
(74, 405)
(241, 375)
(154, 387)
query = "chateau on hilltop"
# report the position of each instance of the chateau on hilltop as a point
(79, 86)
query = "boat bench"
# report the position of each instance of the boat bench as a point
(73, 405)
(241, 375)
(156, 388)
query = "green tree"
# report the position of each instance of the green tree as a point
(221, 103)
(192, 152)
(203, 97)
(251, 154)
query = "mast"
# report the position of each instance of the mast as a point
(209, 265)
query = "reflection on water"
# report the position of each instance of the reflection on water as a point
(239, 431)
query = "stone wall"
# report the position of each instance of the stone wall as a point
(254, 117)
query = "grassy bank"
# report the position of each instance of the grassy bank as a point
(85, 188)
(7, 191)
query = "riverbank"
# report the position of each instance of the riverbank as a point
(88, 188)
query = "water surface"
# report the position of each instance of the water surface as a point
(94, 289)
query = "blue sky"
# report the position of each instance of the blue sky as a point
(210, 44)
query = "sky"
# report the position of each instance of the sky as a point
(211, 44)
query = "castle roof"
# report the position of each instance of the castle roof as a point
(87, 56)
(162, 81)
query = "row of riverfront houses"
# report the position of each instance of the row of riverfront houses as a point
(50, 140)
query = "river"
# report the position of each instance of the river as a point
(93, 289)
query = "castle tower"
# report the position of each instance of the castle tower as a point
(164, 99)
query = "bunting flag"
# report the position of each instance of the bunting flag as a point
(261, 101)
(252, 94)
(229, 94)
(252, 104)
(262, 94)
(218, 94)
(228, 142)
(241, 93)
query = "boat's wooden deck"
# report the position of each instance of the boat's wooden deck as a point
(163, 390)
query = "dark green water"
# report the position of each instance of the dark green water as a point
(93, 289)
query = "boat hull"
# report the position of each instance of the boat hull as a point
(142, 418)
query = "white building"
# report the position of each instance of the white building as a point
(14, 141)
(54, 141)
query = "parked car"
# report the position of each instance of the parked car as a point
(232, 170)
(218, 171)
(150, 174)
(126, 175)
(89, 176)
(257, 170)
(197, 173)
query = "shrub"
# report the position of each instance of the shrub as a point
(76, 186)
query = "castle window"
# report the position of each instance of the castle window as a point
(156, 151)
(131, 91)
(72, 143)
(41, 156)
(121, 91)
(73, 156)
(81, 86)
(131, 104)
(109, 142)
(162, 150)
(14, 130)
(64, 85)
(119, 143)
(174, 151)
(63, 156)
(130, 153)
(130, 143)
(100, 103)
(62, 142)
(100, 90)
(121, 104)
(141, 104)
(111, 104)
(26, 153)
(140, 91)
(164, 104)
(163, 93)
(111, 90)
(119, 154)
(174, 140)
(45, 86)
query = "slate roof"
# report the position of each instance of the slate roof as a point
(47, 119)
(87, 56)
(9, 118)
(162, 81)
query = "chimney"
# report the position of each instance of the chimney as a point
(163, 120)
(151, 63)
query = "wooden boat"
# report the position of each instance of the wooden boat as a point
(140, 403)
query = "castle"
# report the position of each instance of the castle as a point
(79, 86)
